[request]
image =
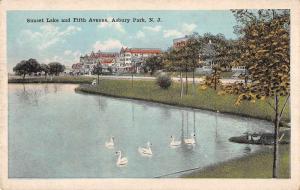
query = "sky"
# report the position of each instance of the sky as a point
(65, 42)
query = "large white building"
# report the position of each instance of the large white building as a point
(132, 58)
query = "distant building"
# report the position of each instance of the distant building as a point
(134, 57)
(180, 42)
(77, 69)
(106, 59)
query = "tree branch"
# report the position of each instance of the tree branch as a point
(271, 105)
(284, 105)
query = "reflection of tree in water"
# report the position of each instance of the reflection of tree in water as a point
(102, 103)
(132, 113)
(46, 89)
(186, 131)
(165, 113)
(216, 127)
(29, 96)
(57, 88)
(145, 107)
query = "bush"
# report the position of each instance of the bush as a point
(164, 81)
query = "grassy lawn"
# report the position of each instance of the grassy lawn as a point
(190, 74)
(204, 99)
(254, 166)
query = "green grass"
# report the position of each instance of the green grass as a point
(258, 165)
(226, 74)
(55, 79)
(204, 99)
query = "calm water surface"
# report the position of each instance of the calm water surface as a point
(57, 133)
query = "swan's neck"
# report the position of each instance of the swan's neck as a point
(111, 140)
(173, 139)
(119, 158)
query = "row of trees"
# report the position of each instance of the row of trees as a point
(263, 48)
(220, 51)
(30, 66)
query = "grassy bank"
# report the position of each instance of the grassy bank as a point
(258, 165)
(204, 99)
(55, 79)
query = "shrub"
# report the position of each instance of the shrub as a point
(164, 81)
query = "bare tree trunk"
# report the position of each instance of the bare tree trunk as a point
(24, 75)
(194, 81)
(131, 80)
(98, 78)
(181, 85)
(276, 143)
(215, 81)
(186, 81)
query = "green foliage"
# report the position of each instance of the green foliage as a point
(97, 69)
(164, 81)
(27, 67)
(214, 79)
(45, 68)
(265, 50)
(153, 64)
(56, 68)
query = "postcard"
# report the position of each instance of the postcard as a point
(132, 95)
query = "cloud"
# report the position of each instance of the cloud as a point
(185, 29)
(156, 28)
(115, 25)
(188, 28)
(140, 34)
(172, 33)
(110, 44)
(67, 52)
(47, 36)
(68, 58)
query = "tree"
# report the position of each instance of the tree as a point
(21, 69)
(265, 37)
(153, 63)
(56, 68)
(214, 79)
(97, 70)
(173, 61)
(164, 81)
(27, 67)
(45, 68)
(193, 47)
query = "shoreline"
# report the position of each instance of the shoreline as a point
(221, 169)
(187, 172)
(82, 90)
(87, 80)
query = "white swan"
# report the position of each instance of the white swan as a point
(110, 144)
(174, 143)
(146, 151)
(121, 161)
(191, 140)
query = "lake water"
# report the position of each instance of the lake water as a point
(55, 132)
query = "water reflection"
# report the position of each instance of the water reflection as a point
(101, 103)
(29, 96)
(132, 114)
(63, 135)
